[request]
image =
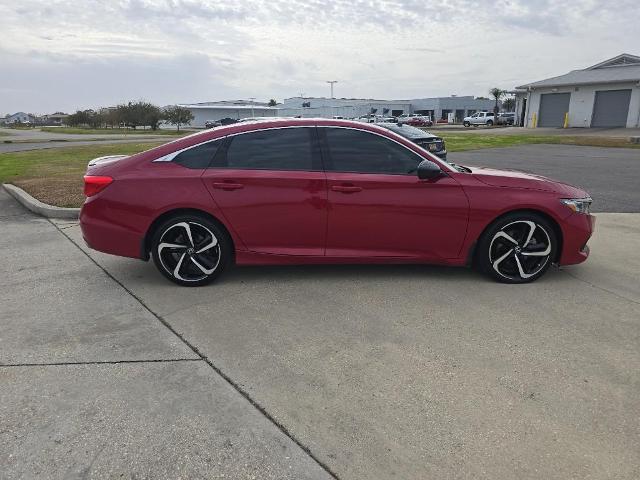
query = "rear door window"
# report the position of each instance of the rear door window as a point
(275, 149)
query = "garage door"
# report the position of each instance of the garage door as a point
(553, 106)
(611, 108)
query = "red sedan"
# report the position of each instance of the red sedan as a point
(300, 191)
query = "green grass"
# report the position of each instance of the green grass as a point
(460, 142)
(111, 131)
(4, 134)
(54, 175)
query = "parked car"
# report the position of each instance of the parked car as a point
(419, 121)
(480, 118)
(316, 191)
(426, 140)
(506, 118)
(212, 123)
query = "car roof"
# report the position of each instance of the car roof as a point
(242, 127)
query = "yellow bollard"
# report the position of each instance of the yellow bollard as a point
(566, 120)
(534, 120)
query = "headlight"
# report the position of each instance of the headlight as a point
(578, 205)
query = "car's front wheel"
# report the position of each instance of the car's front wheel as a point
(466, 124)
(517, 248)
(191, 250)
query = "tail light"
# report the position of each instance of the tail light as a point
(94, 184)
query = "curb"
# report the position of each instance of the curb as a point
(36, 206)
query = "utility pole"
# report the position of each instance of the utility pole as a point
(252, 99)
(332, 82)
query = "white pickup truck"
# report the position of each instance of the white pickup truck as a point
(480, 118)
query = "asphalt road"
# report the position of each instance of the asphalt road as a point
(21, 147)
(371, 371)
(610, 175)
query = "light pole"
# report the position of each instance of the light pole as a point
(252, 99)
(332, 82)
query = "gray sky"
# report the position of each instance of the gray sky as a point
(70, 54)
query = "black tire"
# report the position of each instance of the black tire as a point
(201, 254)
(522, 253)
(489, 123)
(466, 124)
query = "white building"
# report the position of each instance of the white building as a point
(343, 107)
(603, 95)
(235, 109)
(437, 108)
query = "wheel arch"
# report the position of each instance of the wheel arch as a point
(145, 246)
(471, 254)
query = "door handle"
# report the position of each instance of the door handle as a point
(227, 185)
(346, 188)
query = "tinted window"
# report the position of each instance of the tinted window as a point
(198, 157)
(358, 151)
(280, 149)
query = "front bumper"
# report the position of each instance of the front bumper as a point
(576, 232)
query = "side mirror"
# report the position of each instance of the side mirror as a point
(428, 170)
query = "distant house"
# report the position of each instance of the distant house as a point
(604, 95)
(19, 117)
(54, 119)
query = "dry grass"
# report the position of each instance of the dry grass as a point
(62, 190)
(54, 176)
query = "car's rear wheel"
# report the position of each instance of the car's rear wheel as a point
(489, 123)
(466, 124)
(517, 248)
(191, 250)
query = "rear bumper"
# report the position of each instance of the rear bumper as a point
(576, 231)
(102, 232)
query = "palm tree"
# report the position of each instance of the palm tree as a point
(509, 104)
(497, 94)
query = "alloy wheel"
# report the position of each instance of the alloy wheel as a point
(189, 251)
(520, 250)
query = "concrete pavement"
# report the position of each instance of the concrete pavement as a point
(425, 372)
(377, 371)
(94, 385)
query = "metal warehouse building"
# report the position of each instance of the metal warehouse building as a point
(436, 108)
(603, 95)
(235, 109)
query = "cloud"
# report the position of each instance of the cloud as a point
(72, 54)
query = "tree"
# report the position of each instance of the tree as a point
(497, 94)
(177, 115)
(139, 113)
(509, 104)
(272, 102)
